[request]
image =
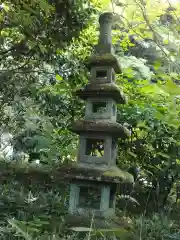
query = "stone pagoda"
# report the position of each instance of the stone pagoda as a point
(95, 176)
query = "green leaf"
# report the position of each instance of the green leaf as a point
(171, 88)
(58, 77)
(163, 155)
(166, 41)
(19, 230)
(157, 65)
(132, 154)
(81, 229)
(42, 48)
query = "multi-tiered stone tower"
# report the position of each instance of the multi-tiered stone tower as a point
(95, 176)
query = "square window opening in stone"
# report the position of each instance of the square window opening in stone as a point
(101, 73)
(112, 197)
(94, 147)
(99, 107)
(89, 197)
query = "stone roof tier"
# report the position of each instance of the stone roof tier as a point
(105, 127)
(104, 59)
(102, 90)
(90, 173)
(62, 172)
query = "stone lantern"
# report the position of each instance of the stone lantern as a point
(95, 176)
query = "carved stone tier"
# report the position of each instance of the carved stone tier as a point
(101, 175)
(107, 90)
(100, 126)
(93, 190)
(74, 174)
(106, 59)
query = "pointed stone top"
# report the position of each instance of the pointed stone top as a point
(105, 21)
(104, 51)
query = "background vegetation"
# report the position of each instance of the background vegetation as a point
(43, 49)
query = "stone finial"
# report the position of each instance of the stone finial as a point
(105, 21)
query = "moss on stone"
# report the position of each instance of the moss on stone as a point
(100, 126)
(64, 173)
(102, 90)
(106, 59)
(115, 172)
(91, 173)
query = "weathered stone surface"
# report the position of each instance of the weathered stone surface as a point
(99, 223)
(105, 21)
(106, 90)
(102, 74)
(103, 174)
(103, 109)
(87, 198)
(100, 126)
(63, 173)
(104, 59)
(97, 149)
